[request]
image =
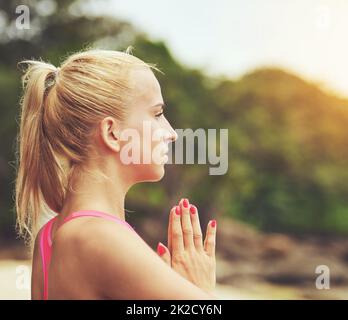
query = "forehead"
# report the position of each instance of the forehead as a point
(146, 88)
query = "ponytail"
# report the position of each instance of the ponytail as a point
(38, 170)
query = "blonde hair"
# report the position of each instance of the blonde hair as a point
(60, 108)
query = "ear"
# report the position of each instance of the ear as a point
(110, 133)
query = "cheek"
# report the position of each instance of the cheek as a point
(154, 146)
(150, 147)
(151, 152)
(148, 138)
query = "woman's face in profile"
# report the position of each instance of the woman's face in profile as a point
(147, 121)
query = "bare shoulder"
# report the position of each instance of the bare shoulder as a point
(87, 235)
(121, 265)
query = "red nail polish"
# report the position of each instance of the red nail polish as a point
(185, 203)
(177, 210)
(160, 249)
(193, 209)
(213, 223)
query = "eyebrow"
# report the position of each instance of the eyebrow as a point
(163, 105)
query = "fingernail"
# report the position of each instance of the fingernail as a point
(177, 210)
(193, 209)
(185, 203)
(213, 223)
(161, 249)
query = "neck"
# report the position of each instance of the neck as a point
(98, 193)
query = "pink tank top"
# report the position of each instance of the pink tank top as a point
(46, 239)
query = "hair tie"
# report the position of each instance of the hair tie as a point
(52, 79)
(57, 70)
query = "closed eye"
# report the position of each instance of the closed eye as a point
(159, 114)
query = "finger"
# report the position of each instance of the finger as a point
(169, 243)
(210, 238)
(176, 235)
(164, 253)
(186, 223)
(196, 227)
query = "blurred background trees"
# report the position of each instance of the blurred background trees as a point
(288, 138)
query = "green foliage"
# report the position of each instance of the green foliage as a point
(289, 152)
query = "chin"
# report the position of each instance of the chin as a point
(159, 174)
(155, 174)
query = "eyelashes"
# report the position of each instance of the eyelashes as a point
(159, 115)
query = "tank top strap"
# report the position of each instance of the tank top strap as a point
(45, 250)
(96, 213)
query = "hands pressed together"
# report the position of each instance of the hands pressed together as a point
(186, 253)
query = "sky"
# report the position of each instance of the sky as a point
(232, 37)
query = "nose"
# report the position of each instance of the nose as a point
(171, 134)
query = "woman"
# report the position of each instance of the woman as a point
(74, 160)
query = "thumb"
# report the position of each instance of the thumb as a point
(164, 253)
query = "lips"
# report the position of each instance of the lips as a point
(165, 153)
(165, 156)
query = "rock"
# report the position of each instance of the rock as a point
(236, 241)
(276, 246)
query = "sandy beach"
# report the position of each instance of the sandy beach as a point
(15, 282)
